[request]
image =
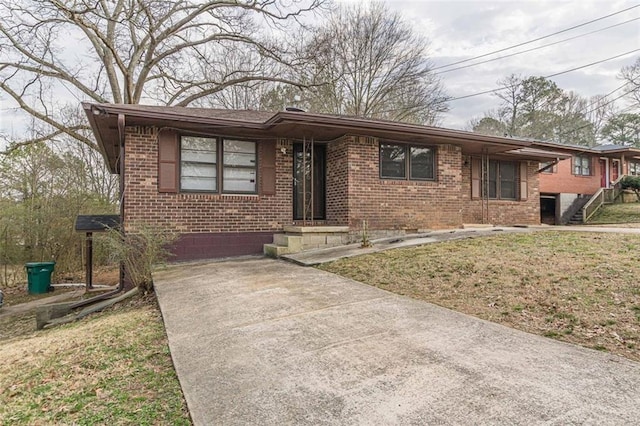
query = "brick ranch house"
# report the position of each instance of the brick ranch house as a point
(226, 181)
(567, 185)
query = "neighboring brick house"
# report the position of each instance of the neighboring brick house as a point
(567, 184)
(227, 181)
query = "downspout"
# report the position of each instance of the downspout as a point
(121, 134)
(484, 160)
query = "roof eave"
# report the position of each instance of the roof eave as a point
(91, 117)
(355, 124)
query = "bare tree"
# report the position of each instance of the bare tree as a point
(535, 107)
(631, 74)
(599, 110)
(510, 106)
(373, 65)
(125, 51)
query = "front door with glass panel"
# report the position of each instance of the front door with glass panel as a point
(309, 182)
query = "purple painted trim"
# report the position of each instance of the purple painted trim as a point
(217, 245)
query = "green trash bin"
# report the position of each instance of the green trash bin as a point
(39, 276)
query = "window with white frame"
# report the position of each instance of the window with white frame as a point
(634, 168)
(210, 164)
(582, 165)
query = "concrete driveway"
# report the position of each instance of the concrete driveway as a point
(260, 341)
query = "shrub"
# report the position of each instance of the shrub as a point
(632, 183)
(139, 251)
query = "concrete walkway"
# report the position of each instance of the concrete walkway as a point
(319, 256)
(260, 341)
(329, 254)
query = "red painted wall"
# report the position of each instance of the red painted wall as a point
(564, 181)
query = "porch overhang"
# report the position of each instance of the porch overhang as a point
(534, 154)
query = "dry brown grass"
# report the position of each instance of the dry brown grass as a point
(576, 287)
(623, 213)
(112, 368)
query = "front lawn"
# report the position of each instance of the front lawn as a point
(576, 287)
(111, 368)
(617, 213)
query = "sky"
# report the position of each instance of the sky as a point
(459, 30)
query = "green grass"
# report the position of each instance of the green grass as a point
(577, 287)
(617, 213)
(113, 368)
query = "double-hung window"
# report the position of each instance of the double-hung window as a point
(582, 165)
(634, 168)
(502, 183)
(239, 166)
(398, 161)
(198, 164)
(210, 164)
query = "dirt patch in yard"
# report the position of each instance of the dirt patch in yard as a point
(576, 287)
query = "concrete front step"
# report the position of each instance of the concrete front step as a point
(274, 250)
(294, 242)
(299, 238)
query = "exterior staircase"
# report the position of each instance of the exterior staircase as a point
(577, 218)
(299, 238)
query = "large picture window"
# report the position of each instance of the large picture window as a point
(208, 164)
(582, 165)
(503, 180)
(399, 161)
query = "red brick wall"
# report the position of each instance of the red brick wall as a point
(503, 212)
(337, 187)
(400, 204)
(355, 192)
(199, 212)
(564, 181)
